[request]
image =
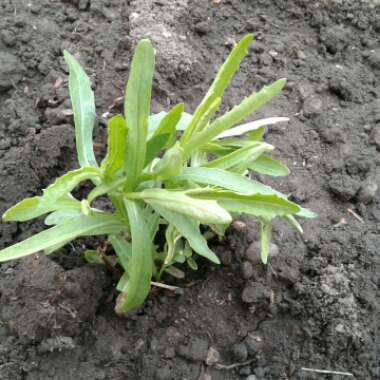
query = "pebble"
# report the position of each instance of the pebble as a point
(213, 356)
(253, 252)
(368, 191)
(247, 270)
(244, 371)
(252, 377)
(196, 350)
(254, 344)
(312, 106)
(240, 352)
(8, 37)
(254, 292)
(164, 373)
(374, 59)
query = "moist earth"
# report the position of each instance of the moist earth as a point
(316, 305)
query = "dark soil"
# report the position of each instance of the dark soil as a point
(316, 305)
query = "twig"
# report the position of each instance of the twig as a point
(325, 371)
(165, 286)
(355, 215)
(233, 365)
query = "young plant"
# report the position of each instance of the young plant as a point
(158, 183)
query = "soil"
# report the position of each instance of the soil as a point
(315, 306)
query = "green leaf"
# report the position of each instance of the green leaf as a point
(61, 216)
(252, 126)
(66, 183)
(189, 228)
(140, 265)
(97, 224)
(92, 256)
(169, 123)
(123, 250)
(204, 211)
(82, 99)
(242, 155)
(237, 114)
(137, 108)
(155, 120)
(306, 213)
(170, 165)
(294, 223)
(154, 147)
(107, 186)
(269, 166)
(265, 239)
(34, 207)
(261, 205)
(219, 85)
(223, 178)
(117, 146)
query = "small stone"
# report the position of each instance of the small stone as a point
(8, 37)
(254, 344)
(312, 106)
(368, 191)
(213, 356)
(196, 350)
(305, 90)
(253, 252)
(247, 270)
(245, 371)
(202, 27)
(254, 293)
(252, 377)
(374, 59)
(240, 352)
(169, 353)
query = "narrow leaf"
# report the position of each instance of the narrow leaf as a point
(137, 108)
(123, 250)
(252, 126)
(140, 264)
(97, 224)
(155, 120)
(237, 114)
(190, 230)
(117, 146)
(61, 216)
(220, 83)
(265, 239)
(82, 99)
(243, 155)
(107, 186)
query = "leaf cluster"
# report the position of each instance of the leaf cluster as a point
(159, 184)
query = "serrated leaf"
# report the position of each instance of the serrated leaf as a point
(116, 147)
(140, 265)
(219, 85)
(269, 166)
(236, 115)
(97, 224)
(137, 109)
(83, 103)
(204, 211)
(189, 228)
